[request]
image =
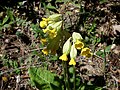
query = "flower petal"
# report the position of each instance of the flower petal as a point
(63, 57)
(45, 51)
(79, 44)
(43, 24)
(72, 62)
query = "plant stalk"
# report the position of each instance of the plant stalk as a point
(66, 79)
(74, 78)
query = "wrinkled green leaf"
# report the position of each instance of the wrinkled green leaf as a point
(44, 79)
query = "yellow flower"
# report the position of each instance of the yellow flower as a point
(43, 40)
(86, 52)
(89, 55)
(45, 51)
(45, 30)
(72, 62)
(43, 24)
(63, 57)
(52, 33)
(5, 79)
(79, 44)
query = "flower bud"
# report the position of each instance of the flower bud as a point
(67, 46)
(43, 24)
(76, 36)
(73, 52)
(55, 17)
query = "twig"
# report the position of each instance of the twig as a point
(117, 80)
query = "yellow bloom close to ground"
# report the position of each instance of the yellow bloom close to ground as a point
(52, 33)
(79, 44)
(72, 62)
(89, 55)
(43, 24)
(63, 57)
(86, 52)
(45, 30)
(45, 51)
(43, 40)
(5, 79)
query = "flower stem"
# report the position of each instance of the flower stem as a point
(74, 78)
(66, 79)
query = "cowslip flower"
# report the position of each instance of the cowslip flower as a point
(52, 33)
(5, 79)
(43, 24)
(45, 30)
(79, 44)
(45, 51)
(63, 57)
(43, 40)
(89, 55)
(86, 52)
(73, 54)
(72, 62)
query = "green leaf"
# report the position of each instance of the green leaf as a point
(100, 53)
(108, 48)
(59, 1)
(103, 1)
(54, 58)
(44, 79)
(5, 20)
(50, 7)
(10, 14)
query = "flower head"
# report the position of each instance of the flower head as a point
(63, 57)
(72, 62)
(43, 24)
(86, 52)
(52, 33)
(89, 55)
(45, 51)
(43, 40)
(79, 44)
(45, 30)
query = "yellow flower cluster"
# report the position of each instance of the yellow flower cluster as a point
(51, 25)
(71, 49)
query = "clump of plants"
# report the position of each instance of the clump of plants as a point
(71, 46)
